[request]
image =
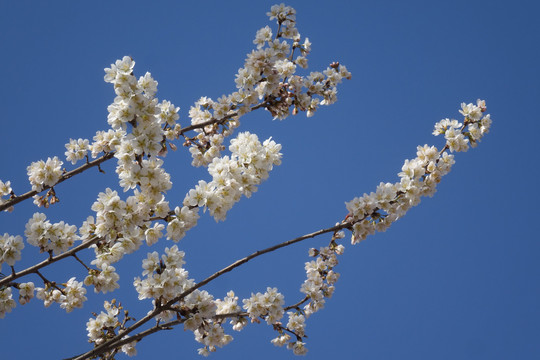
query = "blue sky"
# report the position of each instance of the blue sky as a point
(457, 278)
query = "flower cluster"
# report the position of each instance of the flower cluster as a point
(135, 105)
(45, 173)
(181, 221)
(10, 249)
(457, 138)
(106, 141)
(320, 275)
(229, 305)
(248, 166)
(26, 292)
(6, 302)
(319, 285)
(202, 309)
(419, 176)
(5, 190)
(268, 306)
(268, 79)
(104, 326)
(104, 278)
(296, 325)
(165, 280)
(70, 297)
(122, 226)
(212, 336)
(165, 277)
(140, 127)
(76, 150)
(57, 237)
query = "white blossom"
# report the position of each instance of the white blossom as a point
(6, 302)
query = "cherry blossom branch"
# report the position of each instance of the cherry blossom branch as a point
(114, 341)
(17, 199)
(257, 254)
(171, 324)
(14, 200)
(219, 121)
(33, 269)
(354, 220)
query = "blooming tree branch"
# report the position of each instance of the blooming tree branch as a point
(141, 134)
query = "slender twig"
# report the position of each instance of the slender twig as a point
(217, 121)
(81, 262)
(47, 282)
(48, 261)
(295, 306)
(17, 199)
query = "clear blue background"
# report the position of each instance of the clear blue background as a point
(457, 278)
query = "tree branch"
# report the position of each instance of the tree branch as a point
(116, 340)
(17, 199)
(48, 261)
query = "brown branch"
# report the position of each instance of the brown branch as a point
(116, 340)
(17, 199)
(48, 261)
(217, 121)
(169, 325)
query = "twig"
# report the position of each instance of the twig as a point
(48, 261)
(17, 199)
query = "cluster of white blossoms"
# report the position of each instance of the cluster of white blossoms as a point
(5, 190)
(268, 306)
(212, 336)
(76, 150)
(104, 278)
(268, 79)
(229, 305)
(296, 325)
(234, 176)
(135, 105)
(419, 176)
(165, 278)
(320, 275)
(26, 292)
(202, 308)
(44, 173)
(10, 249)
(477, 126)
(139, 128)
(103, 326)
(70, 297)
(56, 238)
(181, 221)
(319, 285)
(106, 141)
(6, 302)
